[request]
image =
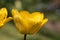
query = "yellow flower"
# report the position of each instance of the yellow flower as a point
(28, 23)
(3, 17)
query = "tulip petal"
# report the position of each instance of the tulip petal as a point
(3, 16)
(19, 24)
(38, 26)
(15, 12)
(7, 20)
(37, 16)
(34, 28)
(3, 13)
(24, 14)
(44, 21)
(19, 20)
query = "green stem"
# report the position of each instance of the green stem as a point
(25, 36)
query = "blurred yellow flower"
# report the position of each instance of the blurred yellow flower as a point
(28, 23)
(3, 17)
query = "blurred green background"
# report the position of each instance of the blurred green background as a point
(51, 9)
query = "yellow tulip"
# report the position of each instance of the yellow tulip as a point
(28, 23)
(3, 17)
